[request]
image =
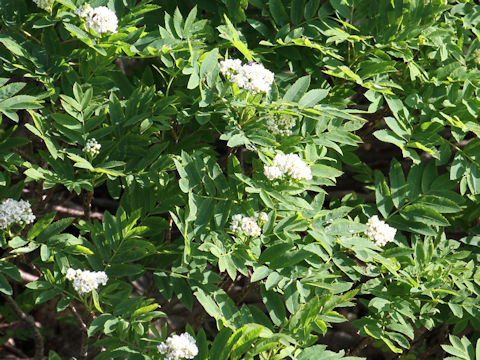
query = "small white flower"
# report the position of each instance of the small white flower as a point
(72, 273)
(178, 347)
(250, 227)
(246, 225)
(84, 11)
(12, 211)
(84, 281)
(261, 216)
(290, 165)
(293, 166)
(100, 19)
(235, 226)
(252, 76)
(379, 231)
(282, 125)
(272, 172)
(230, 66)
(92, 147)
(44, 4)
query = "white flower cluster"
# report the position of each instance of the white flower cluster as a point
(100, 19)
(178, 347)
(248, 225)
(476, 56)
(84, 281)
(13, 211)
(44, 4)
(281, 126)
(92, 147)
(379, 231)
(290, 165)
(252, 76)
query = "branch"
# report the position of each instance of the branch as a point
(87, 204)
(84, 341)
(30, 321)
(361, 345)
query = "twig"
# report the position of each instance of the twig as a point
(14, 350)
(361, 345)
(87, 204)
(244, 293)
(84, 341)
(29, 320)
(76, 212)
(168, 234)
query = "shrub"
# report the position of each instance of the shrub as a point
(240, 179)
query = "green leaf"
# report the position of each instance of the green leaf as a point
(249, 336)
(278, 12)
(178, 23)
(315, 352)
(208, 303)
(389, 137)
(458, 348)
(342, 7)
(312, 97)
(217, 352)
(209, 63)
(234, 38)
(440, 204)
(383, 196)
(183, 292)
(457, 309)
(297, 90)
(477, 350)
(39, 285)
(98, 323)
(53, 229)
(274, 305)
(5, 286)
(10, 269)
(47, 295)
(296, 11)
(63, 303)
(398, 185)
(423, 214)
(77, 32)
(96, 301)
(189, 21)
(52, 355)
(260, 273)
(311, 8)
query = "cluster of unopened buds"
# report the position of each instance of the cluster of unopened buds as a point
(100, 19)
(15, 212)
(251, 76)
(379, 231)
(178, 347)
(92, 147)
(44, 4)
(476, 56)
(281, 125)
(85, 281)
(248, 225)
(290, 165)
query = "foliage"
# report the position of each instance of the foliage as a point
(384, 97)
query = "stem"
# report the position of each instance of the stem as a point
(84, 342)
(30, 321)
(87, 204)
(361, 345)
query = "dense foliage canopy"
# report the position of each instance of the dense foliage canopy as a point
(240, 179)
